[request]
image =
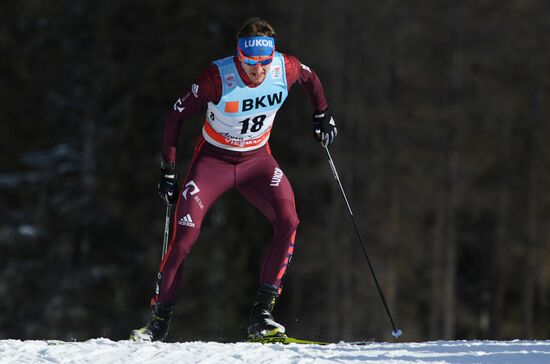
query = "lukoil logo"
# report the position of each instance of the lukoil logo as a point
(258, 43)
(277, 177)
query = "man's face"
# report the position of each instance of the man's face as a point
(256, 54)
(258, 72)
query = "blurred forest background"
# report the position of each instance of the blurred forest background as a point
(442, 108)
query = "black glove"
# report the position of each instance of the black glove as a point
(324, 128)
(168, 183)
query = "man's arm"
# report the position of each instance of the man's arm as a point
(206, 88)
(324, 126)
(305, 76)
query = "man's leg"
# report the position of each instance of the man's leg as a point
(265, 186)
(207, 179)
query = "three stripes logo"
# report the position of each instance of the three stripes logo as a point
(186, 221)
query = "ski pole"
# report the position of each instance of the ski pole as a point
(166, 229)
(396, 332)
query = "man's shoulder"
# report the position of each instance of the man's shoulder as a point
(210, 74)
(292, 67)
(292, 63)
(289, 58)
(209, 80)
(229, 60)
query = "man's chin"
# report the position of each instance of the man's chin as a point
(257, 79)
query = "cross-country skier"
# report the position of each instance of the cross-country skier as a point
(241, 94)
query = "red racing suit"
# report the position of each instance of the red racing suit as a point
(215, 170)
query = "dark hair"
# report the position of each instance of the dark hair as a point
(256, 26)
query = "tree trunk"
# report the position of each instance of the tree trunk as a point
(530, 264)
(501, 240)
(454, 105)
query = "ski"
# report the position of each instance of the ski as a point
(140, 335)
(137, 336)
(284, 339)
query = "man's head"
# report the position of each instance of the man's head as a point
(256, 48)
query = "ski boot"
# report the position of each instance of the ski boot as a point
(157, 328)
(262, 323)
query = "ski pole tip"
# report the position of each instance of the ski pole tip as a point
(396, 333)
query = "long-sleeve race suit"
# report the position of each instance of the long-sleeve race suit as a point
(233, 152)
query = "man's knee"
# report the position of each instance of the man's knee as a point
(288, 223)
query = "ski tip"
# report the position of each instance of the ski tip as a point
(396, 333)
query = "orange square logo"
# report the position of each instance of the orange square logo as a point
(231, 106)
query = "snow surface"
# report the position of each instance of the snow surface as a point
(102, 351)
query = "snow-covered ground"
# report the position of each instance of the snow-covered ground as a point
(99, 351)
